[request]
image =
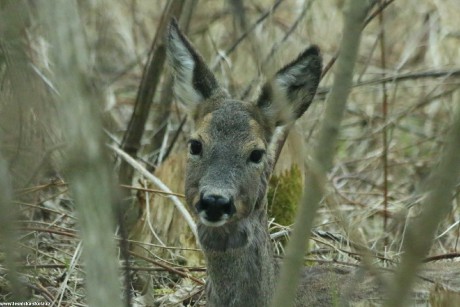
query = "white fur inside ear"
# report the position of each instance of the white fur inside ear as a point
(183, 63)
(294, 75)
(281, 108)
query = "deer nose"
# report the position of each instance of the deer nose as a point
(215, 207)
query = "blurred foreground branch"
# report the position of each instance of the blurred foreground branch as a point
(313, 190)
(7, 236)
(87, 163)
(437, 204)
(15, 97)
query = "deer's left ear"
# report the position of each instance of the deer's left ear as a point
(290, 92)
(194, 81)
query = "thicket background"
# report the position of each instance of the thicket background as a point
(401, 107)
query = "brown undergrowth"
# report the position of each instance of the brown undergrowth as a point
(405, 92)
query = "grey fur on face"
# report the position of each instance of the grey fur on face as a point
(229, 163)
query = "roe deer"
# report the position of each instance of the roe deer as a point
(229, 163)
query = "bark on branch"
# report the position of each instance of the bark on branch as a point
(87, 162)
(322, 158)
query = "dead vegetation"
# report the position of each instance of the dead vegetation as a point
(401, 107)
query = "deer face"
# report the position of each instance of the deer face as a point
(230, 149)
(227, 159)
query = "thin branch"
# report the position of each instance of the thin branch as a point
(40, 289)
(328, 66)
(410, 76)
(132, 268)
(385, 129)
(171, 145)
(188, 218)
(162, 107)
(168, 268)
(49, 230)
(441, 257)
(414, 76)
(151, 190)
(366, 22)
(244, 93)
(147, 89)
(240, 39)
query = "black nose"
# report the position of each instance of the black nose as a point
(215, 206)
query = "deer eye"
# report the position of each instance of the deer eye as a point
(256, 155)
(195, 147)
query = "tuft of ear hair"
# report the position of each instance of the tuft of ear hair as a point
(290, 92)
(194, 81)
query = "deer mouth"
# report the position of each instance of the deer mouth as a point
(205, 221)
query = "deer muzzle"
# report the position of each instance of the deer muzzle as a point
(215, 210)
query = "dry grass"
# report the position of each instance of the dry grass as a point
(375, 187)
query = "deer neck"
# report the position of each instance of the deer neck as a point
(240, 262)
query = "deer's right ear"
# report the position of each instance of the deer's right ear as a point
(290, 92)
(194, 81)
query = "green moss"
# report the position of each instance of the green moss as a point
(283, 195)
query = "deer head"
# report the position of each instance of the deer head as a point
(230, 156)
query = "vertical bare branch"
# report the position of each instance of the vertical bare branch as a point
(437, 204)
(26, 121)
(87, 162)
(289, 279)
(384, 120)
(150, 80)
(7, 236)
(12, 54)
(147, 89)
(162, 108)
